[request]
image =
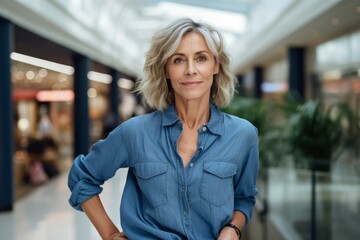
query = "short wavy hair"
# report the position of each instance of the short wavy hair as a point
(156, 89)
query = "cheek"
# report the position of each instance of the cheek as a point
(171, 72)
(173, 83)
(208, 71)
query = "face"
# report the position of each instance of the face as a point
(191, 69)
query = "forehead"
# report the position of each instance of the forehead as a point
(193, 40)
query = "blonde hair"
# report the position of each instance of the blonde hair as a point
(153, 85)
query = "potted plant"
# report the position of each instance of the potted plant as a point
(316, 135)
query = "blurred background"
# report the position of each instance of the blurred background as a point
(68, 68)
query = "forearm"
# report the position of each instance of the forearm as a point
(229, 233)
(95, 211)
(238, 219)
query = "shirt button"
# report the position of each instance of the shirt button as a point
(204, 129)
(191, 165)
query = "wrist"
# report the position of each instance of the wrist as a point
(235, 228)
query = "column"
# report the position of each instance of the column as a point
(114, 95)
(81, 105)
(6, 117)
(258, 79)
(296, 57)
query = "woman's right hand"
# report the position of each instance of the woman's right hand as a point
(117, 236)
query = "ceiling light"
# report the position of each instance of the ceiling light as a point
(19, 75)
(43, 72)
(30, 75)
(99, 77)
(92, 93)
(125, 83)
(38, 62)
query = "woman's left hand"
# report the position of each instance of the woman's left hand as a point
(228, 233)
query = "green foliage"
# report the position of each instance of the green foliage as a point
(312, 132)
(315, 132)
(307, 130)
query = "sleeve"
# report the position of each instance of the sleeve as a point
(245, 182)
(88, 173)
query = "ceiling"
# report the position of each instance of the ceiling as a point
(116, 33)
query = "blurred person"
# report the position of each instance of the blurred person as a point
(192, 168)
(36, 174)
(45, 126)
(41, 166)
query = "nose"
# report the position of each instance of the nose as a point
(191, 68)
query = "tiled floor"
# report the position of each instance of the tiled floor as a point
(45, 214)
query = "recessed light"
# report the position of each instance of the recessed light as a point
(92, 93)
(30, 75)
(43, 72)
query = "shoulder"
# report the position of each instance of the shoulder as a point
(239, 125)
(143, 119)
(140, 123)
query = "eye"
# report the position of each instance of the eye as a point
(201, 58)
(178, 60)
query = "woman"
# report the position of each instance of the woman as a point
(192, 168)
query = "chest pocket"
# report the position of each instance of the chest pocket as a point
(217, 182)
(151, 177)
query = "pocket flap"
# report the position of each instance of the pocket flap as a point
(146, 170)
(220, 169)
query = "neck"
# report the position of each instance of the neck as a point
(192, 114)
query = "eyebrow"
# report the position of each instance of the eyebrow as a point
(199, 52)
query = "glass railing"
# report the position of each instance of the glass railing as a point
(336, 215)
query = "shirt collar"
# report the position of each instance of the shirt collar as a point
(215, 124)
(169, 116)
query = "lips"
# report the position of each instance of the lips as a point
(191, 83)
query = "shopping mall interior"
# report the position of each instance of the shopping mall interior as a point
(69, 68)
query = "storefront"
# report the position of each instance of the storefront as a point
(43, 107)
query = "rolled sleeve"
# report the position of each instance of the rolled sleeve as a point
(245, 187)
(88, 173)
(81, 184)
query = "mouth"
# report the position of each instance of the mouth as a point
(191, 83)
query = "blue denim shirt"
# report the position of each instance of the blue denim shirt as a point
(163, 199)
